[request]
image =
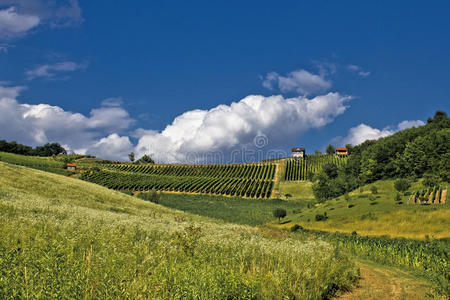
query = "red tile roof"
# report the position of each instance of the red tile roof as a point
(341, 149)
(297, 149)
(71, 165)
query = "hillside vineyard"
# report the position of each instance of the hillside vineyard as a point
(304, 168)
(243, 180)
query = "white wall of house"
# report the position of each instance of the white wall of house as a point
(297, 154)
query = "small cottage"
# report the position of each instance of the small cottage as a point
(341, 151)
(71, 167)
(298, 152)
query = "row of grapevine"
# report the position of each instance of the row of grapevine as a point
(435, 195)
(247, 171)
(253, 188)
(305, 168)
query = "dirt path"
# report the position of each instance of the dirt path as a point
(381, 282)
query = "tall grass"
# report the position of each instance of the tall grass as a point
(63, 238)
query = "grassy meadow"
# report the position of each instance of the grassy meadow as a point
(64, 238)
(230, 209)
(378, 214)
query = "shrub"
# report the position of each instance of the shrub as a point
(320, 217)
(347, 197)
(152, 196)
(296, 227)
(402, 185)
(374, 190)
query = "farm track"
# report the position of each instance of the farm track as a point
(383, 282)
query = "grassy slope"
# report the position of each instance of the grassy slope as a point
(382, 216)
(64, 238)
(230, 209)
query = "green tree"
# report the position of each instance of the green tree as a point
(145, 160)
(331, 170)
(321, 187)
(330, 149)
(430, 180)
(279, 213)
(131, 156)
(402, 185)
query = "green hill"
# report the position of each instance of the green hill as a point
(65, 238)
(379, 214)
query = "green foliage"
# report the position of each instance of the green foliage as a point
(45, 150)
(374, 189)
(330, 149)
(402, 185)
(151, 196)
(321, 217)
(279, 213)
(296, 227)
(131, 156)
(410, 152)
(331, 170)
(430, 180)
(145, 160)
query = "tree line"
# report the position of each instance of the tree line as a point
(411, 153)
(48, 149)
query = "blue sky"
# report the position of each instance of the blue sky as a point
(158, 60)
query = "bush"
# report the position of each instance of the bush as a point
(296, 227)
(320, 217)
(374, 190)
(152, 196)
(402, 185)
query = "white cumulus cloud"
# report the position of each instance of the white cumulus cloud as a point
(300, 81)
(363, 132)
(196, 133)
(36, 124)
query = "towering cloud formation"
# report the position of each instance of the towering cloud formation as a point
(225, 127)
